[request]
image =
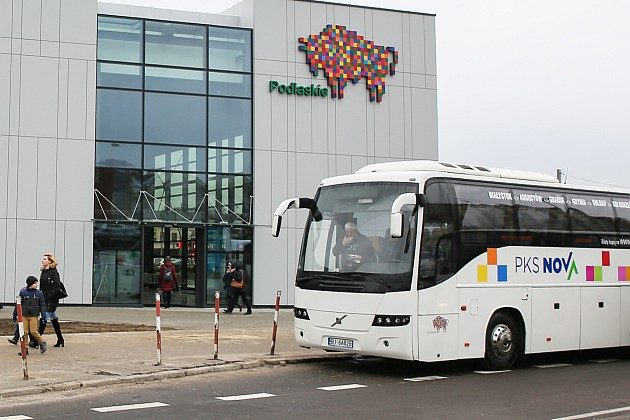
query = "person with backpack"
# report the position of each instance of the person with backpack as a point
(239, 285)
(167, 280)
(33, 305)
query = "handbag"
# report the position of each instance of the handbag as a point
(61, 292)
(239, 284)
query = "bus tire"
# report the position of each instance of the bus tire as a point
(502, 342)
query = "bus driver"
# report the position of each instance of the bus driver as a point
(354, 249)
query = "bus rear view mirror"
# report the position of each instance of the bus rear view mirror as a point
(397, 220)
(293, 203)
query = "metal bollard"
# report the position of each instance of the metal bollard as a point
(23, 341)
(158, 328)
(275, 323)
(217, 300)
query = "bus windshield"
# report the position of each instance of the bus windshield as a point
(351, 248)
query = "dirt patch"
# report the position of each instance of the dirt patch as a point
(7, 327)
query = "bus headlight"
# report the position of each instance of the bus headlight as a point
(300, 313)
(391, 320)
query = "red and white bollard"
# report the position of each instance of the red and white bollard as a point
(158, 328)
(23, 343)
(275, 323)
(217, 301)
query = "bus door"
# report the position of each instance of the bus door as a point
(437, 308)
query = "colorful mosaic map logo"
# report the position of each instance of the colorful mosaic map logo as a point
(345, 56)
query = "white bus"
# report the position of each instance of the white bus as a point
(432, 261)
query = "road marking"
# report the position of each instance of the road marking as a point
(129, 407)
(246, 397)
(490, 372)
(604, 360)
(595, 413)
(20, 417)
(425, 378)
(341, 387)
(551, 365)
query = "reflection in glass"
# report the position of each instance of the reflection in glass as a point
(178, 119)
(175, 44)
(230, 122)
(118, 75)
(230, 49)
(229, 161)
(119, 39)
(175, 80)
(122, 188)
(173, 195)
(120, 155)
(174, 158)
(229, 198)
(118, 115)
(230, 84)
(117, 271)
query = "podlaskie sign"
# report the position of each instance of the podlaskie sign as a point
(343, 56)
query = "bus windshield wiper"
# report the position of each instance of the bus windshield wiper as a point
(319, 277)
(372, 277)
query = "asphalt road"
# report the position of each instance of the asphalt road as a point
(545, 387)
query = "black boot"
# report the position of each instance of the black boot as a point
(57, 328)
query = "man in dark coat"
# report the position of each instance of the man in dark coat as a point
(354, 249)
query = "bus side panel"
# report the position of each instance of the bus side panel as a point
(601, 317)
(437, 337)
(481, 303)
(438, 322)
(625, 316)
(555, 319)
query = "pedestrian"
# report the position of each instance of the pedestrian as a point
(33, 305)
(53, 289)
(239, 284)
(167, 280)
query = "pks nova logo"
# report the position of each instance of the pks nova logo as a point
(345, 56)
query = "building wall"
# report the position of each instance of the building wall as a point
(300, 140)
(47, 97)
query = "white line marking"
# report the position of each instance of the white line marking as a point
(490, 372)
(595, 413)
(129, 407)
(246, 397)
(20, 417)
(341, 387)
(604, 360)
(551, 365)
(425, 378)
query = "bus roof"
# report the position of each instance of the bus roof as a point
(435, 166)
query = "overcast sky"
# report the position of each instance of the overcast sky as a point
(533, 85)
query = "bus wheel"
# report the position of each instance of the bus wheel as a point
(502, 342)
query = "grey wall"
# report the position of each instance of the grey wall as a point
(299, 140)
(47, 99)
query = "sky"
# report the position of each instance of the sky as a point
(534, 85)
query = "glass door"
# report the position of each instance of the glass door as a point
(180, 244)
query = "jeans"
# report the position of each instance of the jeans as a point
(51, 315)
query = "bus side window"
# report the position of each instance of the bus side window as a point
(437, 251)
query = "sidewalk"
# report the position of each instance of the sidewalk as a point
(90, 360)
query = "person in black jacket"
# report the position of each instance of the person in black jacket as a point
(33, 305)
(53, 289)
(239, 285)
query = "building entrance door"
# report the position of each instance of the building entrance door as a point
(182, 245)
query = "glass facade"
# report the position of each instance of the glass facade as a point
(173, 157)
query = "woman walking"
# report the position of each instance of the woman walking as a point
(53, 289)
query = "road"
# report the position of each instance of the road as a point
(544, 387)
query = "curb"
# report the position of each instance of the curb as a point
(171, 374)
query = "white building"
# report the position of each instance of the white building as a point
(129, 133)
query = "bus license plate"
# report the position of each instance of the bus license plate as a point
(344, 343)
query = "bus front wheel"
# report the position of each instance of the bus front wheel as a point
(502, 342)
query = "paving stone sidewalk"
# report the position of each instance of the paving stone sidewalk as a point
(100, 359)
